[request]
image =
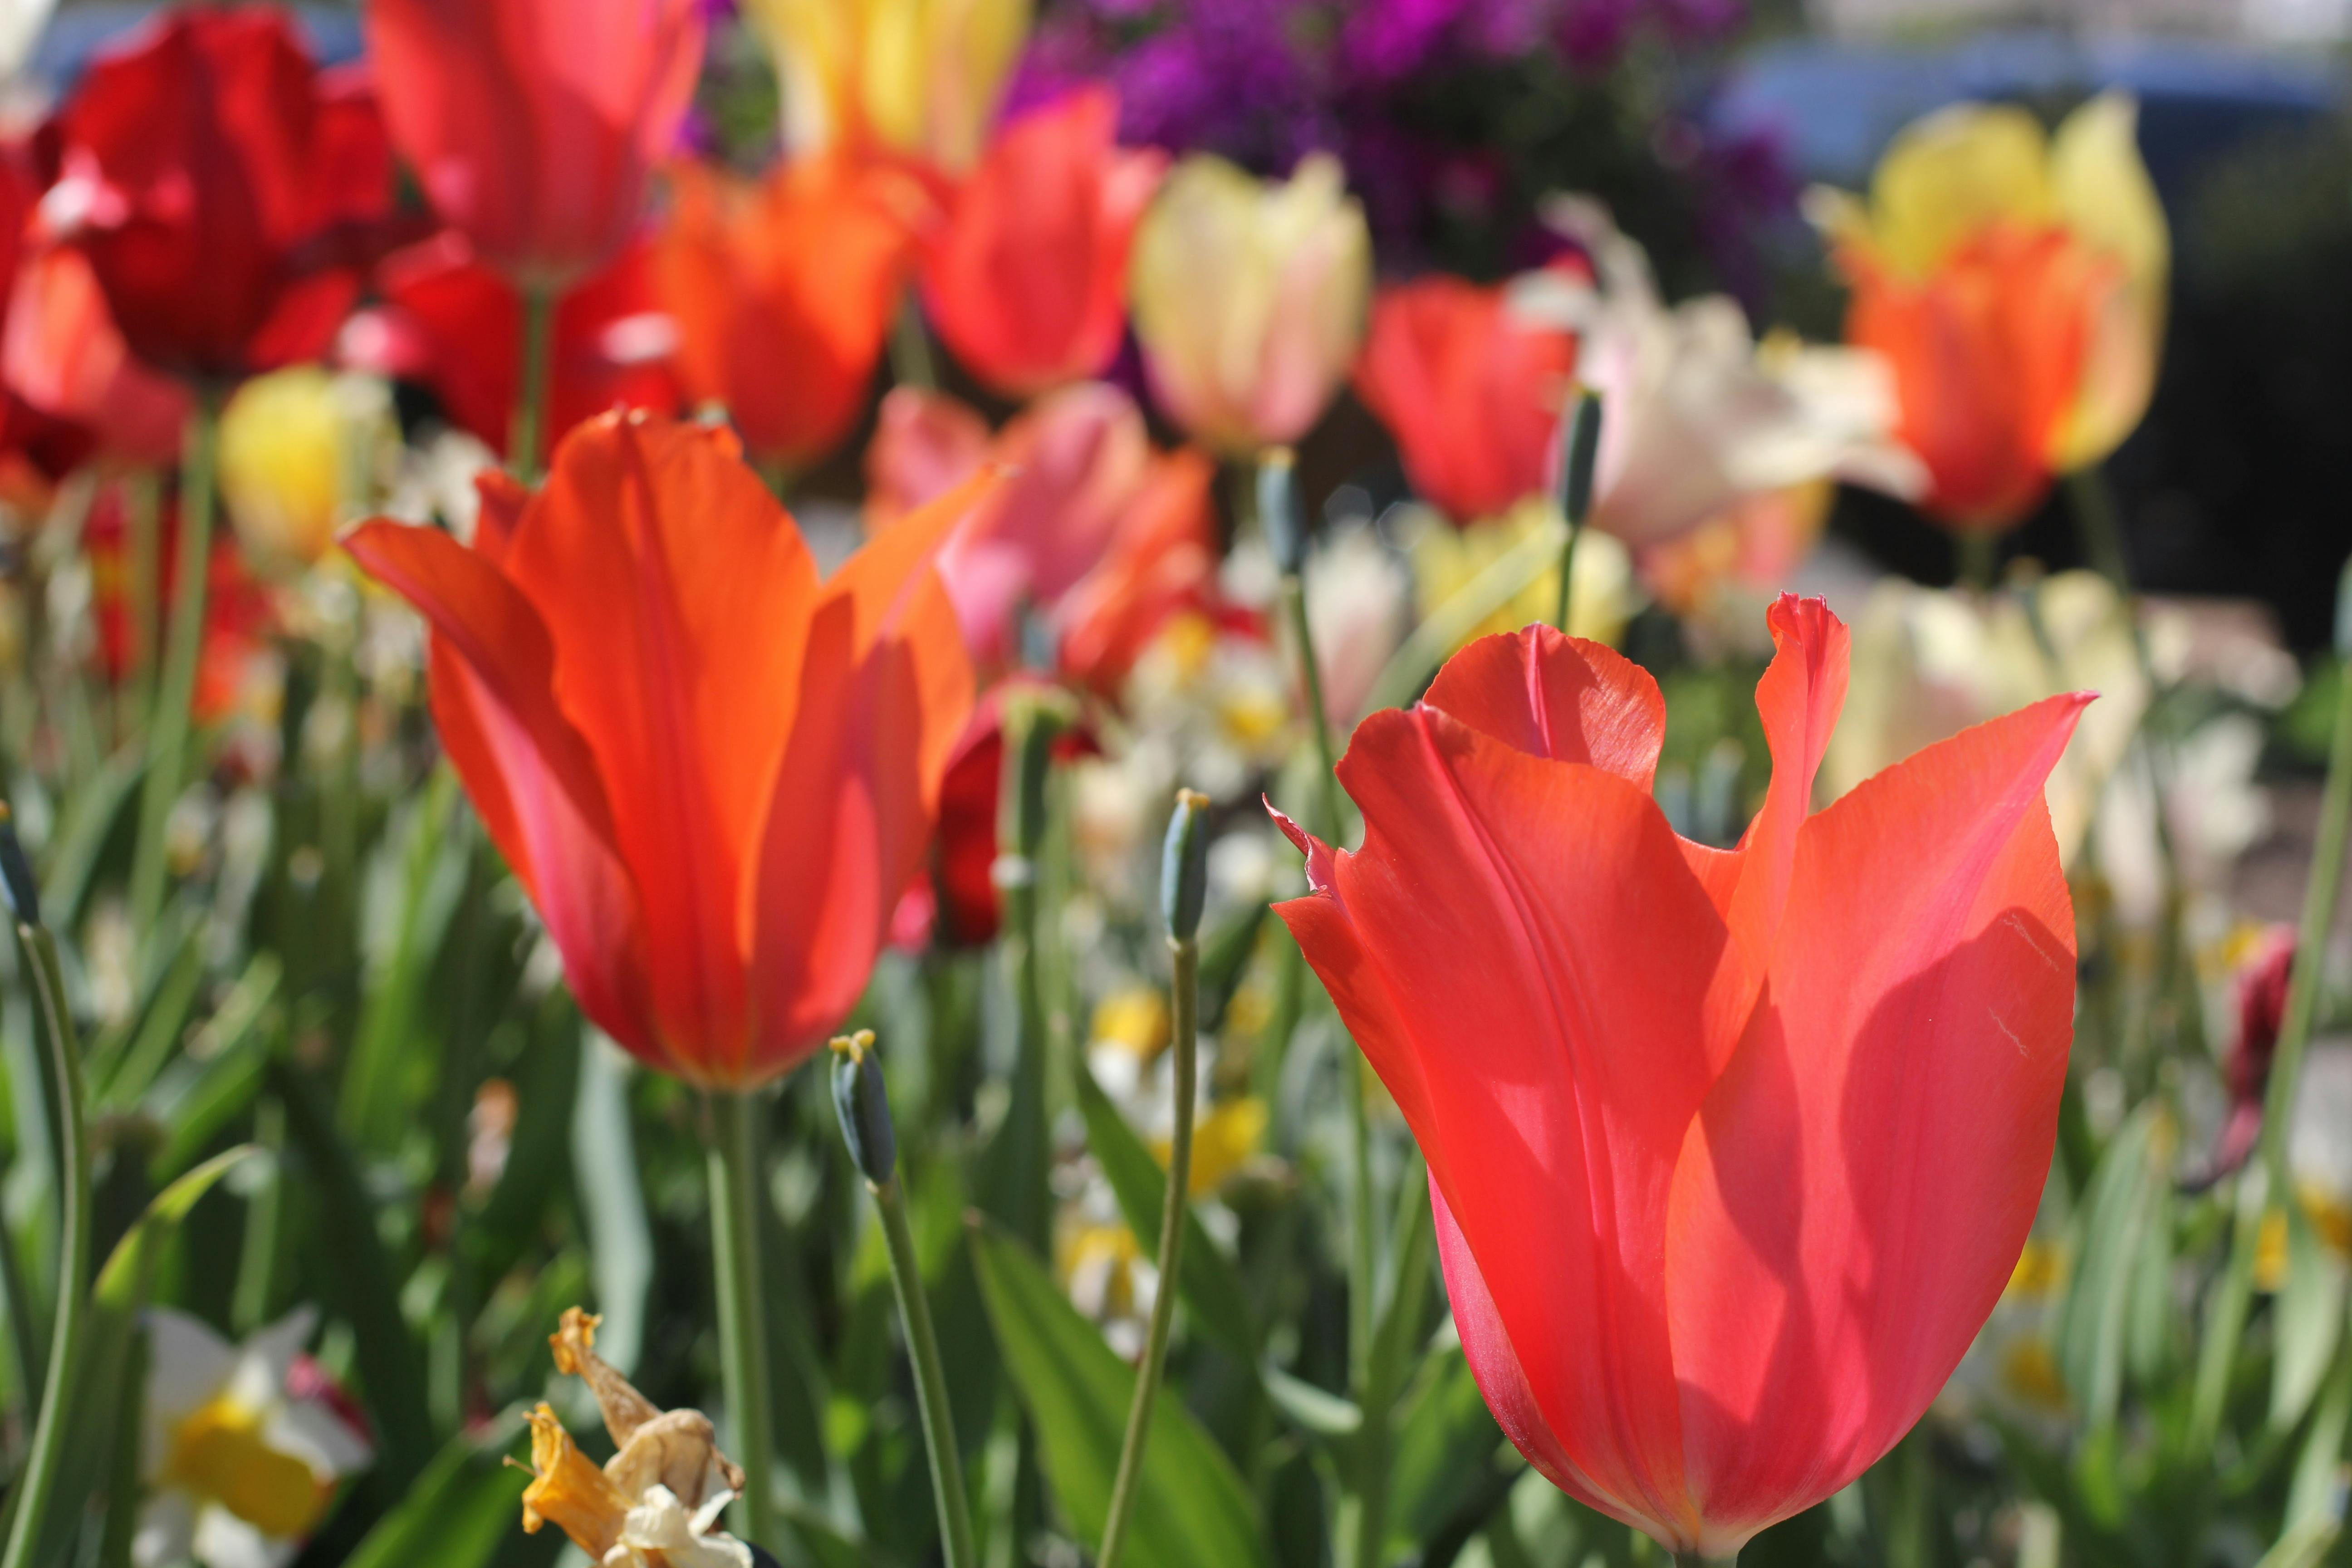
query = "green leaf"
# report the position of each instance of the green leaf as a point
(2111, 1229)
(1315, 1410)
(611, 1200)
(199, 1095)
(2304, 1546)
(430, 863)
(1224, 959)
(460, 1509)
(1191, 1510)
(91, 813)
(2309, 1314)
(1445, 1448)
(1206, 1279)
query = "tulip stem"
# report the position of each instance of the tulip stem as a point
(911, 347)
(37, 1481)
(1184, 1004)
(1578, 461)
(1567, 574)
(930, 1378)
(528, 433)
(1693, 1559)
(1976, 559)
(2217, 1355)
(743, 1318)
(167, 732)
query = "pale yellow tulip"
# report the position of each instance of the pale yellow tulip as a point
(920, 77)
(1249, 297)
(299, 452)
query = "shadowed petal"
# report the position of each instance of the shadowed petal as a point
(1554, 696)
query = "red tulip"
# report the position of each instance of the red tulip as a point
(1731, 1152)
(1028, 280)
(457, 325)
(783, 292)
(1471, 391)
(714, 774)
(225, 189)
(532, 123)
(961, 906)
(64, 355)
(238, 611)
(1092, 532)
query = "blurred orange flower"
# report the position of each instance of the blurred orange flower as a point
(783, 292)
(1027, 280)
(714, 774)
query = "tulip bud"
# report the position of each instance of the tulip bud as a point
(24, 894)
(863, 1103)
(1579, 455)
(1277, 508)
(1184, 866)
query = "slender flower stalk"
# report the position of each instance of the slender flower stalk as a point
(742, 1313)
(863, 1103)
(1183, 884)
(2227, 1323)
(37, 1481)
(1017, 1161)
(1580, 458)
(167, 734)
(528, 433)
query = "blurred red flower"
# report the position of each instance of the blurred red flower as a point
(226, 192)
(1471, 391)
(1730, 1151)
(238, 611)
(1027, 280)
(532, 123)
(456, 325)
(715, 775)
(783, 291)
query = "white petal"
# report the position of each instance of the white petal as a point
(187, 1364)
(264, 1359)
(166, 1532)
(225, 1540)
(312, 1431)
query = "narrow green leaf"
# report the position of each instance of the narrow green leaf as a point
(2110, 1229)
(1193, 1510)
(1206, 1278)
(1315, 1410)
(460, 1509)
(429, 862)
(1445, 1448)
(2309, 1314)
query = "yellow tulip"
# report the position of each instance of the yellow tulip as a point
(299, 451)
(1250, 298)
(921, 77)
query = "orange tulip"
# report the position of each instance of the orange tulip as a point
(1730, 1151)
(784, 291)
(1471, 389)
(2016, 281)
(714, 774)
(1027, 282)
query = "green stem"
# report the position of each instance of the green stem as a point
(2217, 1355)
(1976, 559)
(1566, 573)
(930, 1379)
(1184, 1004)
(1393, 1342)
(1017, 1167)
(911, 347)
(734, 1163)
(1319, 720)
(37, 1481)
(143, 509)
(528, 432)
(1693, 1559)
(167, 733)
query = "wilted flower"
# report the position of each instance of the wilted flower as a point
(2017, 284)
(656, 1502)
(241, 1445)
(1249, 297)
(920, 77)
(1698, 415)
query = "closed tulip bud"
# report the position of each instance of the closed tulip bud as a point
(1579, 455)
(1184, 866)
(863, 1103)
(1277, 509)
(16, 879)
(1249, 297)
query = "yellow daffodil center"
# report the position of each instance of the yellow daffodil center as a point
(219, 1452)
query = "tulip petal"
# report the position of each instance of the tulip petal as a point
(529, 773)
(678, 594)
(1864, 1175)
(1553, 696)
(1561, 888)
(1798, 700)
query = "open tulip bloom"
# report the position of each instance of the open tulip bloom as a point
(1730, 1151)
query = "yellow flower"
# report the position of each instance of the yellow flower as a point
(1450, 565)
(297, 453)
(1970, 169)
(1250, 298)
(923, 77)
(1222, 1142)
(1135, 1018)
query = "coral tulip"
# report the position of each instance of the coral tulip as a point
(533, 124)
(1730, 1151)
(456, 325)
(1250, 298)
(2017, 282)
(1096, 533)
(64, 355)
(226, 191)
(1027, 281)
(1471, 389)
(783, 292)
(714, 774)
(917, 77)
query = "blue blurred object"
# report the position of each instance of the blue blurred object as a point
(1832, 107)
(78, 32)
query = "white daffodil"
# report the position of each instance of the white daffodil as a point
(1697, 414)
(240, 1459)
